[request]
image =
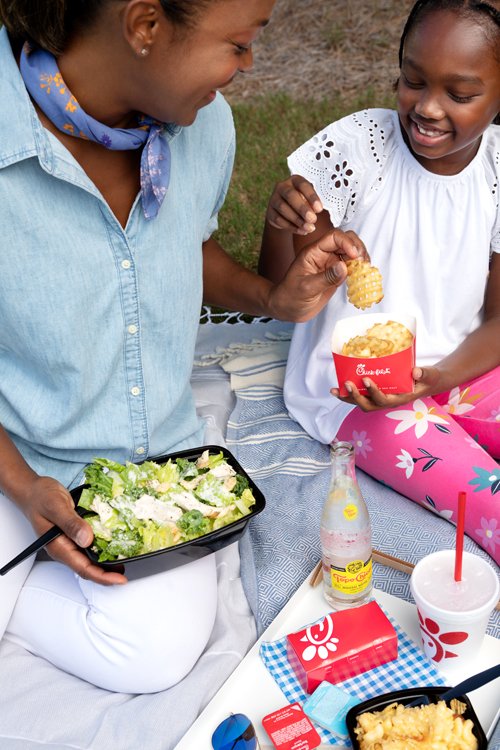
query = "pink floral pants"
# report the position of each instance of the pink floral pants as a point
(434, 447)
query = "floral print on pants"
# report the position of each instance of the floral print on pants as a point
(434, 447)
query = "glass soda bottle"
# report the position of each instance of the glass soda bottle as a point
(346, 539)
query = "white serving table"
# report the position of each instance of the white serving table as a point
(251, 690)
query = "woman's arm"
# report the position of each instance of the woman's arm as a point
(477, 354)
(45, 502)
(306, 287)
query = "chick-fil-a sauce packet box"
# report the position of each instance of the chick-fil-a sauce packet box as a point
(392, 373)
(290, 729)
(342, 645)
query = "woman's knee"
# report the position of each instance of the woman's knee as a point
(162, 661)
(170, 621)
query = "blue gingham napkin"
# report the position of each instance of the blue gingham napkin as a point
(411, 669)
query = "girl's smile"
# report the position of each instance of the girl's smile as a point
(448, 90)
(427, 134)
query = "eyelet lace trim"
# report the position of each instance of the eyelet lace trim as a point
(345, 159)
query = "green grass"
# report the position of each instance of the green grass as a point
(267, 130)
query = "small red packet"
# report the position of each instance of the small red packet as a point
(290, 729)
(342, 645)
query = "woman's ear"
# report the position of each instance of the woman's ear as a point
(140, 23)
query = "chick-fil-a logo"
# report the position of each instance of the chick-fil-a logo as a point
(320, 640)
(435, 638)
(361, 370)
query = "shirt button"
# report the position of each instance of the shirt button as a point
(126, 264)
(132, 329)
(140, 451)
(135, 390)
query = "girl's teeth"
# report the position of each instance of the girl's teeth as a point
(429, 133)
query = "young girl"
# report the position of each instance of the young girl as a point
(420, 189)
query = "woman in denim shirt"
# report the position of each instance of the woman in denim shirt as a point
(105, 259)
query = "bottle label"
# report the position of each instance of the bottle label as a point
(354, 578)
(350, 512)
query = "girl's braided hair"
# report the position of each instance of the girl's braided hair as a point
(483, 12)
(50, 24)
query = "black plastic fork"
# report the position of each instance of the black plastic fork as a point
(37, 545)
(467, 686)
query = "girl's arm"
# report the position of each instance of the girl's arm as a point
(292, 212)
(45, 502)
(295, 218)
(480, 351)
(281, 246)
(476, 355)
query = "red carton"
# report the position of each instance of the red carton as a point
(342, 645)
(392, 373)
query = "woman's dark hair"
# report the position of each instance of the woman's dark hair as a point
(51, 23)
(484, 13)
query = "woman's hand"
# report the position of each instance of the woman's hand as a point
(47, 503)
(428, 382)
(294, 205)
(298, 293)
(314, 276)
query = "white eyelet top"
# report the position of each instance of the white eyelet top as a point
(430, 235)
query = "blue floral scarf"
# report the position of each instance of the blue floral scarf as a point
(46, 86)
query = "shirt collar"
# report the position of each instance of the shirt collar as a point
(21, 132)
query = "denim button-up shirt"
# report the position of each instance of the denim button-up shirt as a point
(98, 323)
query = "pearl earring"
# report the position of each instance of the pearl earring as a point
(144, 51)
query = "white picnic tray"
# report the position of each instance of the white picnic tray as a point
(251, 689)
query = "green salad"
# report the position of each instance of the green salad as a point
(140, 508)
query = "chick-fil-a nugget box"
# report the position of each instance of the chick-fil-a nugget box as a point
(290, 729)
(392, 373)
(342, 645)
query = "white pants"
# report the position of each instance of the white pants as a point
(138, 638)
(141, 637)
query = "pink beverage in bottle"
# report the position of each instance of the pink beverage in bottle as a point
(346, 540)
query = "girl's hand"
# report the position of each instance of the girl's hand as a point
(427, 383)
(294, 205)
(47, 503)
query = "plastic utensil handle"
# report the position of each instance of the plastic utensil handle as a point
(37, 545)
(472, 683)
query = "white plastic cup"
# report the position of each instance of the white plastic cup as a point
(453, 615)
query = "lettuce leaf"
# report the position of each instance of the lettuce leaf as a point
(123, 528)
(194, 524)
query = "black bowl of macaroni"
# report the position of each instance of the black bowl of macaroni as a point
(385, 722)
